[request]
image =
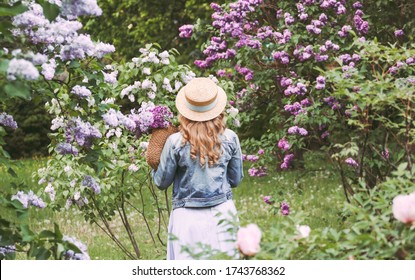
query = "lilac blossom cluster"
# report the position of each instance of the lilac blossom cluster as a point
(283, 144)
(282, 56)
(332, 102)
(29, 199)
(186, 31)
(297, 130)
(7, 120)
(60, 37)
(399, 33)
(320, 82)
(81, 132)
(285, 208)
(22, 68)
(268, 199)
(66, 149)
(385, 153)
(361, 25)
(351, 162)
(150, 116)
(287, 161)
(115, 118)
(257, 171)
(81, 91)
(8, 249)
(247, 73)
(71, 255)
(91, 183)
(251, 158)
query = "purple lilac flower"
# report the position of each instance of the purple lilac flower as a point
(245, 71)
(332, 102)
(294, 109)
(283, 144)
(21, 68)
(261, 151)
(325, 134)
(410, 60)
(186, 31)
(321, 82)
(81, 132)
(288, 19)
(399, 33)
(257, 172)
(66, 149)
(287, 160)
(268, 199)
(8, 249)
(341, 9)
(75, 8)
(252, 158)
(297, 130)
(7, 120)
(29, 199)
(303, 16)
(285, 82)
(344, 31)
(351, 162)
(101, 49)
(90, 182)
(385, 153)
(361, 25)
(216, 7)
(282, 56)
(357, 5)
(81, 91)
(150, 116)
(71, 255)
(285, 208)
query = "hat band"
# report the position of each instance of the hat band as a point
(201, 108)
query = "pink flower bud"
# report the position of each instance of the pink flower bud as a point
(403, 208)
(248, 239)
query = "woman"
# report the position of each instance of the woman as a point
(203, 161)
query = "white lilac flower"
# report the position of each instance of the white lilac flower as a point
(144, 145)
(146, 84)
(151, 95)
(214, 79)
(177, 85)
(303, 231)
(81, 91)
(190, 75)
(102, 49)
(146, 71)
(7, 120)
(39, 59)
(131, 97)
(133, 168)
(48, 69)
(67, 169)
(51, 191)
(232, 111)
(83, 255)
(110, 78)
(91, 101)
(75, 8)
(33, 17)
(78, 48)
(77, 196)
(57, 123)
(21, 68)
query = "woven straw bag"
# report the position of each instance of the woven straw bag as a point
(155, 145)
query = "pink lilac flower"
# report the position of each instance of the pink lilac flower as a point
(261, 152)
(186, 31)
(344, 31)
(385, 153)
(287, 160)
(268, 199)
(351, 162)
(257, 172)
(297, 130)
(399, 33)
(285, 208)
(325, 134)
(283, 144)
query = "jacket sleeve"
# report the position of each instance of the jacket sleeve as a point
(235, 166)
(163, 177)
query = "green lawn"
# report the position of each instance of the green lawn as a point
(315, 193)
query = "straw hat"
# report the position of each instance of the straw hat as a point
(201, 100)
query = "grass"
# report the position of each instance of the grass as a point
(315, 193)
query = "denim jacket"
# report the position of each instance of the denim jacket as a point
(196, 186)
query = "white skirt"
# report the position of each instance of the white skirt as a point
(196, 229)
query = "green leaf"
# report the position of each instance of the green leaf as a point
(51, 11)
(17, 89)
(12, 172)
(7, 10)
(47, 234)
(4, 65)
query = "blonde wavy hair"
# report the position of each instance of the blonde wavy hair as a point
(203, 137)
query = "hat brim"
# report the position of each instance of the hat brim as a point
(201, 116)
